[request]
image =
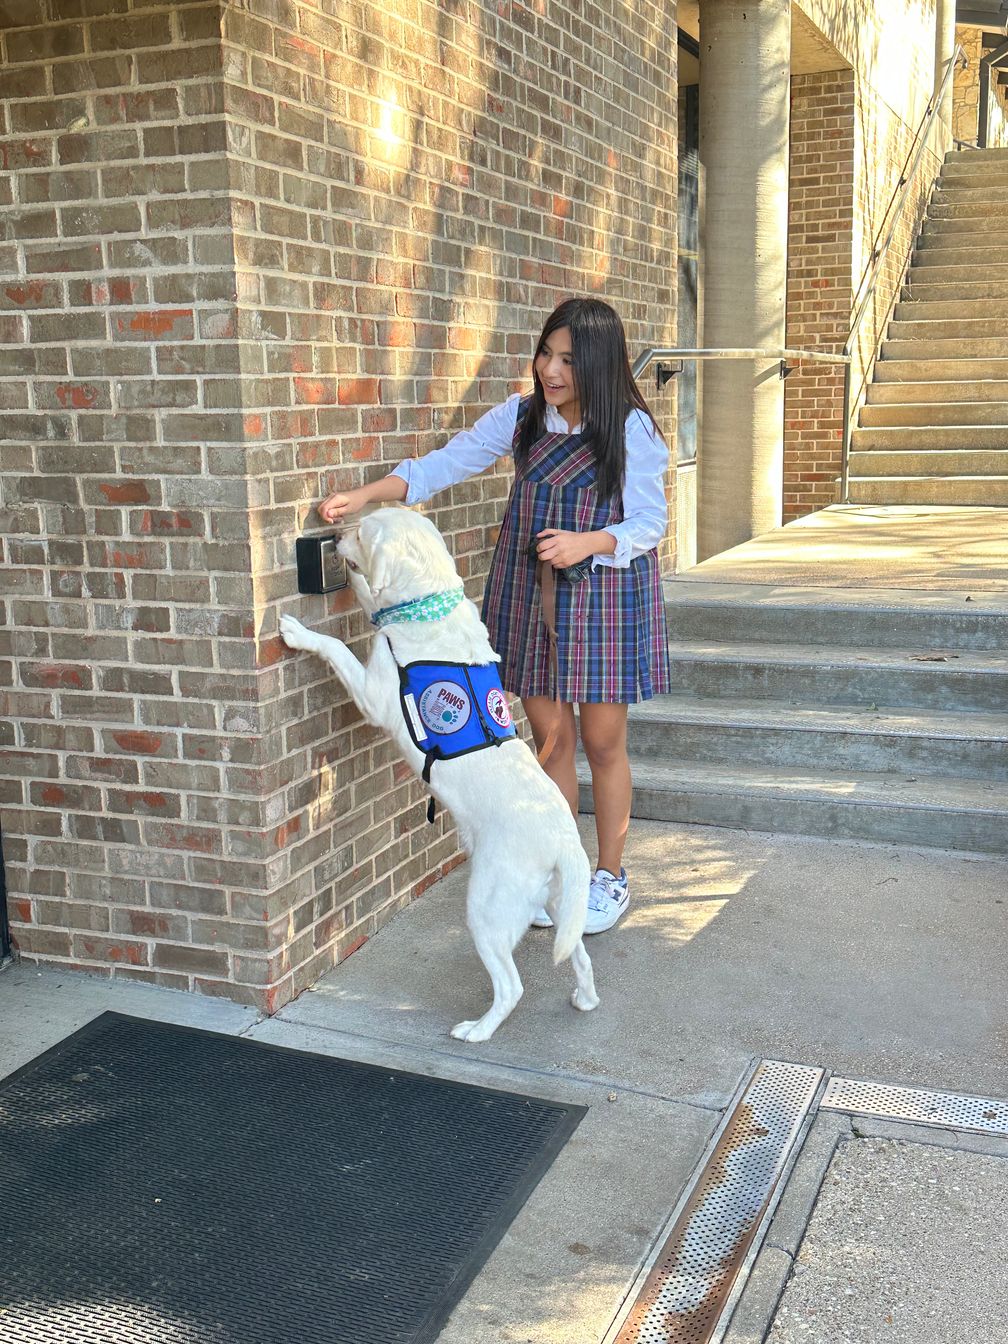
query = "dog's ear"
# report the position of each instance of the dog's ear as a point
(382, 558)
(380, 576)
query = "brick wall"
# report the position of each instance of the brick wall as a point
(290, 245)
(820, 209)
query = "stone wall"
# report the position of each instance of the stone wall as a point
(254, 253)
(966, 93)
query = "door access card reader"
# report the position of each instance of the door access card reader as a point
(319, 568)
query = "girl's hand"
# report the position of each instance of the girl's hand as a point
(563, 549)
(335, 507)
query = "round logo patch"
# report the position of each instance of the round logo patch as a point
(497, 708)
(444, 707)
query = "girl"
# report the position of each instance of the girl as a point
(589, 500)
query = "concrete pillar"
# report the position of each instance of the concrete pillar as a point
(745, 57)
(945, 40)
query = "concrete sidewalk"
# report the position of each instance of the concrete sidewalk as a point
(871, 961)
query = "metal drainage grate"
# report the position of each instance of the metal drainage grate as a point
(916, 1105)
(691, 1278)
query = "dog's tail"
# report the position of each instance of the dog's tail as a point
(572, 876)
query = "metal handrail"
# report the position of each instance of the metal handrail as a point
(879, 251)
(788, 358)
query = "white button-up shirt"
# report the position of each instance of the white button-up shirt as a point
(645, 510)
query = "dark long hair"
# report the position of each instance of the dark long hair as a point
(604, 384)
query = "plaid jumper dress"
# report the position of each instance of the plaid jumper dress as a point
(612, 644)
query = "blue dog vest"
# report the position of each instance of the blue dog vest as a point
(452, 709)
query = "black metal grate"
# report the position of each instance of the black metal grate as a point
(168, 1184)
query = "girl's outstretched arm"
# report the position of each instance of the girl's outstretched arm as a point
(465, 454)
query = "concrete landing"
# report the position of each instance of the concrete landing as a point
(873, 961)
(875, 1264)
(956, 550)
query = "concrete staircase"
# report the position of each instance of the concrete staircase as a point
(935, 426)
(838, 713)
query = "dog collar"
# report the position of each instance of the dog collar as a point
(433, 607)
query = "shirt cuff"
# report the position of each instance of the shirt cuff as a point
(620, 558)
(414, 493)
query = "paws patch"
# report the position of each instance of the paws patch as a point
(444, 707)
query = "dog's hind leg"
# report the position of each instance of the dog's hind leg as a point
(496, 928)
(584, 996)
(507, 987)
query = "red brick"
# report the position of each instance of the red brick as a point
(138, 743)
(358, 391)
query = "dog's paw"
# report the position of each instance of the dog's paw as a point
(472, 1031)
(295, 635)
(583, 1002)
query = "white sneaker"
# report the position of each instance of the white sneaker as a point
(541, 920)
(608, 900)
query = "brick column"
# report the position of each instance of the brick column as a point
(127, 594)
(820, 239)
(256, 252)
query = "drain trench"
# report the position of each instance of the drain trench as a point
(683, 1294)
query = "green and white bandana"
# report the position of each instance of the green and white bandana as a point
(430, 608)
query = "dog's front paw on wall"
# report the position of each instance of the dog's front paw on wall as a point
(295, 635)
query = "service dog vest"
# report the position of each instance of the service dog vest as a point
(452, 709)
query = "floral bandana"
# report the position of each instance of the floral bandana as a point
(433, 607)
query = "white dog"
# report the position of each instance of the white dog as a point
(512, 819)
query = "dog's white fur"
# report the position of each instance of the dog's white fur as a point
(523, 843)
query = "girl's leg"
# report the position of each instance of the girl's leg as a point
(603, 736)
(559, 765)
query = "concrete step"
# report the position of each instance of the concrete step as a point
(956, 309)
(965, 327)
(929, 463)
(976, 254)
(892, 808)
(946, 236)
(976, 491)
(904, 415)
(937, 394)
(988, 186)
(930, 269)
(974, 180)
(926, 438)
(775, 733)
(964, 207)
(918, 370)
(837, 675)
(967, 169)
(959, 347)
(974, 157)
(888, 618)
(973, 225)
(952, 291)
